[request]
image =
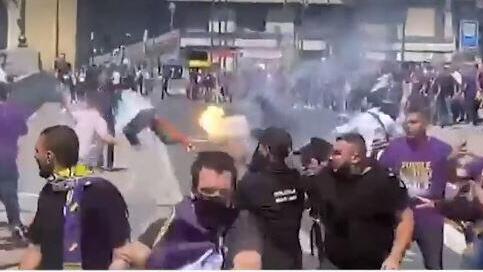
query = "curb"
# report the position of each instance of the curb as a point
(13, 266)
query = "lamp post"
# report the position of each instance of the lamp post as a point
(57, 12)
(172, 9)
(22, 39)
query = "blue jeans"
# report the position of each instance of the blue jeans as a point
(474, 259)
(430, 239)
(9, 198)
(443, 110)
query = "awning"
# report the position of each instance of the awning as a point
(220, 53)
(199, 64)
(261, 53)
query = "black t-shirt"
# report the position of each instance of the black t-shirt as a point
(276, 197)
(447, 84)
(243, 235)
(104, 225)
(359, 215)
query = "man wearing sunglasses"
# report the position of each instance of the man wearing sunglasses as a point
(204, 231)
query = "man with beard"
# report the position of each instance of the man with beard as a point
(204, 231)
(12, 127)
(275, 194)
(425, 165)
(363, 209)
(80, 219)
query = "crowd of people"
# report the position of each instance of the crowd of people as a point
(370, 210)
(372, 200)
(123, 74)
(452, 92)
(209, 86)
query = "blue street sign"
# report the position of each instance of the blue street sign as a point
(468, 34)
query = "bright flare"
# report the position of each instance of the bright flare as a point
(211, 121)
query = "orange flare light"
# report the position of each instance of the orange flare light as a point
(211, 120)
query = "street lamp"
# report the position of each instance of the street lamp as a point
(172, 9)
(22, 39)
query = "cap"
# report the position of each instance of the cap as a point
(273, 137)
(318, 149)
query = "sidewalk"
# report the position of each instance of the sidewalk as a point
(456, 134)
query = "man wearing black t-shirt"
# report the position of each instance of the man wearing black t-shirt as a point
(446, 88)
(80, 219)
(363, 209)
(275, 194)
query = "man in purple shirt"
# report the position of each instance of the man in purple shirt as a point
(12, 126)
(423, 163)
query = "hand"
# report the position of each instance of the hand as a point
(392, 262)
(427, 203)
(459, 151)
(190, 147)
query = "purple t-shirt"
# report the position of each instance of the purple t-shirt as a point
(12, 126)
(424, 169)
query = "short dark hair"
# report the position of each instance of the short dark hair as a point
(63, 142)
(419, 108)
(278, 141)
(355, 139)
(318, 149)
(215, 160)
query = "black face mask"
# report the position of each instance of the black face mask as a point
(213, 213)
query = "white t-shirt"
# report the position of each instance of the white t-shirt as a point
(370, 129)
(3, 76)
(130, 105)
(90, 127)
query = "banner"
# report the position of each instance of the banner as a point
(469, 34)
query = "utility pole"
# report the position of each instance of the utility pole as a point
(22, 40)
(172, 9)
(212, 28)
(403, 42)
(57, 11)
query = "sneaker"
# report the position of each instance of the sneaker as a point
(19, 234)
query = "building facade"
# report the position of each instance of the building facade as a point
(381, 29)
(397, 30)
